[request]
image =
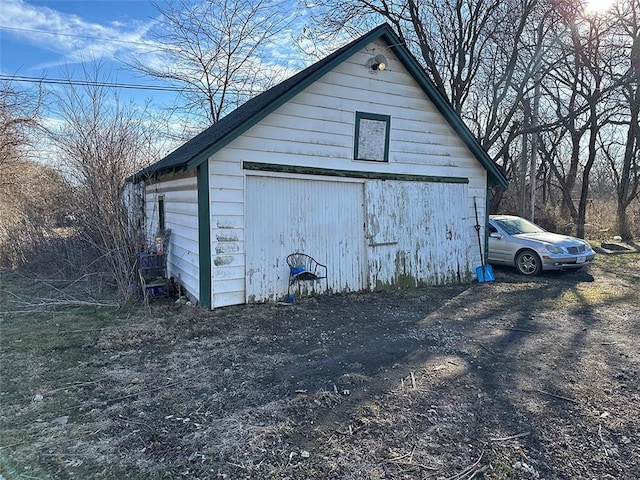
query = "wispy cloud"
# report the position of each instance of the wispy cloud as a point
(70, 38)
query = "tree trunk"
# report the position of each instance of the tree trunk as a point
(584, 191)
(628, 186)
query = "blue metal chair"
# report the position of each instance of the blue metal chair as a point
(303, 268)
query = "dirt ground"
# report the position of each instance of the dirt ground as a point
(523, 378)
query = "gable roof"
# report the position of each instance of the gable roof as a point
(197, 150)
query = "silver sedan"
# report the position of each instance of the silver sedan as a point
(517, 242)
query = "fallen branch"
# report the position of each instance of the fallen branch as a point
(13, 444)
(470, 469)
(486, 348)
(511, 437)
(410, 454)
(351, 431)
(128, 325)
(478, 471)
(518, 329)
(604, 445)
(396, 461)
(567, 399)
(142, 392)
(419, 465)
(40, 306)
(71, 385)
(52, 302)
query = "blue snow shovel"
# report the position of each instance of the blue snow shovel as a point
(483, 272)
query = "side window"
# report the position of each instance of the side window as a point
(161, 223)
(372, 137)
(492, 229)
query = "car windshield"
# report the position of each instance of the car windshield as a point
(515, 226)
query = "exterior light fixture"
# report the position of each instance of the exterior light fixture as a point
(377, 63)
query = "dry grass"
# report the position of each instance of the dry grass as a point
(591, 295)
(601, 219)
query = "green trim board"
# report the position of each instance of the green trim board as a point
(328, 172)
(204, 236)
(370, 127)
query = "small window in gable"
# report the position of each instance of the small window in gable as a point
(372, 137)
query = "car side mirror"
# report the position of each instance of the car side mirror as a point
(497, 235)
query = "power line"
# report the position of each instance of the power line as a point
(87, 83)
(133, 86)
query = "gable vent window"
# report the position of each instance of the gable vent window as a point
(372, 137)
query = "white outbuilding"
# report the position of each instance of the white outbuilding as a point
(357, 161)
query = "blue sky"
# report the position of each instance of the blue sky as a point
(52, 38)
(56, 39)
(43, 38)
(37, 38)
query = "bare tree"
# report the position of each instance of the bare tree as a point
(30, 212)
(101, 142)
(29, 191)
(218, 51)
(19, 111)
(623, 152)
(583, 92)
(465, 46)
(529, 77)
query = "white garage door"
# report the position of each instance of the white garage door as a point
(324, 219)
(417, 233)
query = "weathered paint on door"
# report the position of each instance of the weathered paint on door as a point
(415, 234)
(324, 219)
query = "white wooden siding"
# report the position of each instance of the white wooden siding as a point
(227, 191)
(415, 234)
(324, 219)
(181, 217)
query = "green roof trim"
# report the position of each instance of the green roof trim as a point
(197, 150)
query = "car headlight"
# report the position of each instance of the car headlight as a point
(554, 249)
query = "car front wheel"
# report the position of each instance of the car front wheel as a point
(528, 263)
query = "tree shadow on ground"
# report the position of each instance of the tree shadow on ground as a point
(517, 378)
(528, 348)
